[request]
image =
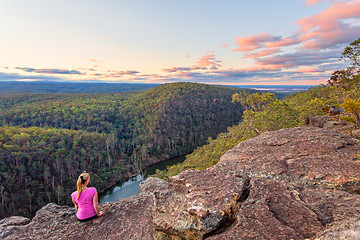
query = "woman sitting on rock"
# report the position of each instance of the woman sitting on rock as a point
(85, 199)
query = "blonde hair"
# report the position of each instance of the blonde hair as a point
(81, 180)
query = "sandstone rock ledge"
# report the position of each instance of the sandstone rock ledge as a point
(300, 183)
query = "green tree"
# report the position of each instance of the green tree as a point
(254, 101)
(348, 78)
(352, 52)
(353, 106)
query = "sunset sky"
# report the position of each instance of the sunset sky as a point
(227, 42)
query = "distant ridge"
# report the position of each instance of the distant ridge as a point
(69, 87)
(74, 87)
(287, 89)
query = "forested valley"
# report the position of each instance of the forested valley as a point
(47, 140)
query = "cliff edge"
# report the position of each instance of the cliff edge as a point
(299, 183)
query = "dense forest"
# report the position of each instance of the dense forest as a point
(70, 87)
(264, 112)
(47, 140)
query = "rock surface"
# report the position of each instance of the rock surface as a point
(310, 157)
(298, 183)
(347, 229)
(8, 226)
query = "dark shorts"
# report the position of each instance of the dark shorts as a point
(87, 219)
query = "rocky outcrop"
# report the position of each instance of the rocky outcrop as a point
(310, 157)
(298, 183)
(9, 226)
(347, 229)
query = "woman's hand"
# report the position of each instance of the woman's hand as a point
(96, 205)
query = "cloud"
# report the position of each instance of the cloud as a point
(283, 42)
(262, 53)
(208, 60)
(110, 75)
(87, 69)
(126, 72)
(223, 45)
(328, 28)
(310, 70)
(177, 69)
(312, 2)
(94, 60)
(323, 30)
(50, 71)
(271, 64)
(204, 65)
(254, 42)
(299, 58)
(182, 69)
(318, 41)
(248, 76)
(19, 77)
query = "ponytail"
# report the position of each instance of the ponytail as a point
(81, 180)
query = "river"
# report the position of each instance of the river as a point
(130, 187)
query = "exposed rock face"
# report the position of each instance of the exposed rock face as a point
(8, 226)
(318, 121)
(356, 133)
(289, 184)
(347, 229)
(334, 123)
(310, 157)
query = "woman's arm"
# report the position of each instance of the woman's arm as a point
(76, 206)
(96, 205)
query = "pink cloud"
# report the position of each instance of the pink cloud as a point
(223, 45)
(258, 68)
(262, 53)
(327, 28)
(309, 70)
(330, 18)
(281, 60)
(282, 43)
(253, 42)
(312, 2)
(208, 60)
(321, 32)
(94, 60)
(176, 69)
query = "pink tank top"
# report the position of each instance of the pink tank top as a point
(85, 203)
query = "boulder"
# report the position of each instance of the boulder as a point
(347, 229)
(126, 219)
(318, 121)
(8, 226)
(194, 203)
(273, 210)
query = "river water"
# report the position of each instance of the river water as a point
(130, 187)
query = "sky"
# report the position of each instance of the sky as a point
(229, 42)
